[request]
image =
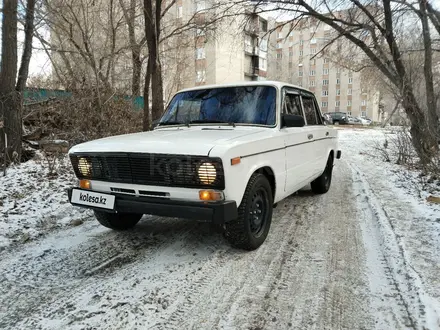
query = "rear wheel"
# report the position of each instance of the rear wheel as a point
(322, 184)
(117, 221)
(250, 230)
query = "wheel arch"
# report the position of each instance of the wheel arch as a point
(268, 172)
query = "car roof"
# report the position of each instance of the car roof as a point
(277, 84)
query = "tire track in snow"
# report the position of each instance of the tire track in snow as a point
(405, 283)
(207, 286)
(319, 283)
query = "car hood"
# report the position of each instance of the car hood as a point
(181, 140)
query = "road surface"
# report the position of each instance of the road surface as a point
(323, 266)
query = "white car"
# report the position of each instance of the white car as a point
(222, 153)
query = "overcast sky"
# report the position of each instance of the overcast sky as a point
(40, 64)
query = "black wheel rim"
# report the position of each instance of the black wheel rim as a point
(328, 175)
(258, 212)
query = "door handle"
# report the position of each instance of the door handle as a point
(310, 136)
(326, 133)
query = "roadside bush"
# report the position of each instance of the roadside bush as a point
(80, 118)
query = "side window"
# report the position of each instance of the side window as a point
(310, 110)
(292, 104)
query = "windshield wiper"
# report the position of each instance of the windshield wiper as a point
(171, 123)
(206, 121)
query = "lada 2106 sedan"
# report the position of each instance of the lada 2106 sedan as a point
(222, 153)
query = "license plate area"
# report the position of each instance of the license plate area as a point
(93, 199)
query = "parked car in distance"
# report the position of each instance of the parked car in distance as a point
(339, 117)
(225, 154)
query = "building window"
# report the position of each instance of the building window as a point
(338, 81)
(311, 83)
(312, 73)
(325, 71)
(291, 54)
(248, 44)
(300, 73)
(325, 92)
(279, 45)
(325, 82)
(313, 61)
(349, 113)
(301, 42)
(338, 92)
(179, 11)
(291, 33)
(338, 70)
(300, 83)
(349, 103)
(364, 114)
(201, 76)
(350, 80)
(313, 41)
(301, 53)
(349, 91)
(338, 104)
(312, 50)
(200, 53)
(200, 32)
(279, 55)
(280, 34)
(326, 60)
(200, 5)
(324, 104)
(263, 25)
(364, 102)
(262, 64)
(263, 45)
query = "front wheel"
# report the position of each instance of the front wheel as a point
(117, 221)
(322, 184)
(250, 230)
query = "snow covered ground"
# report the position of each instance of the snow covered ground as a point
(366, 255)
(33, 204)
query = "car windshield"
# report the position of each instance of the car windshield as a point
(252, 105)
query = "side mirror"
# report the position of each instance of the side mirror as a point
(292, 121)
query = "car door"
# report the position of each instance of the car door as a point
(319, 132)
(299, 157)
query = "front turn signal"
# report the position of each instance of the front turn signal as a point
(210, 195)
(85, 184)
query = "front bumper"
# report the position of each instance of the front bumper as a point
(215, 212)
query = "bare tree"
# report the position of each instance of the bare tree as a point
(131, 18)
(10, 110)
(29, 27)
(373, 27)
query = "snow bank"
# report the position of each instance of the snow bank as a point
(32, 203)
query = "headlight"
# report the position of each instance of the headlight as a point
(207, 173)
(84, 167)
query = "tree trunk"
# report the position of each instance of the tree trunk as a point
(146, 117)
(137, 69)
(425, 143)
(10, 109)
(27, 51)
(156, 88)
(427, 68)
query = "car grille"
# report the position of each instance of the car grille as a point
(149, 169)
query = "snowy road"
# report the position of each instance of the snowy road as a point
(330, 262)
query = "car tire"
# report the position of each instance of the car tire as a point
(117, 221)
(322, 184)
(252, 226)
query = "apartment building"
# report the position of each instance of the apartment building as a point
(297, 56)
(233, 49)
